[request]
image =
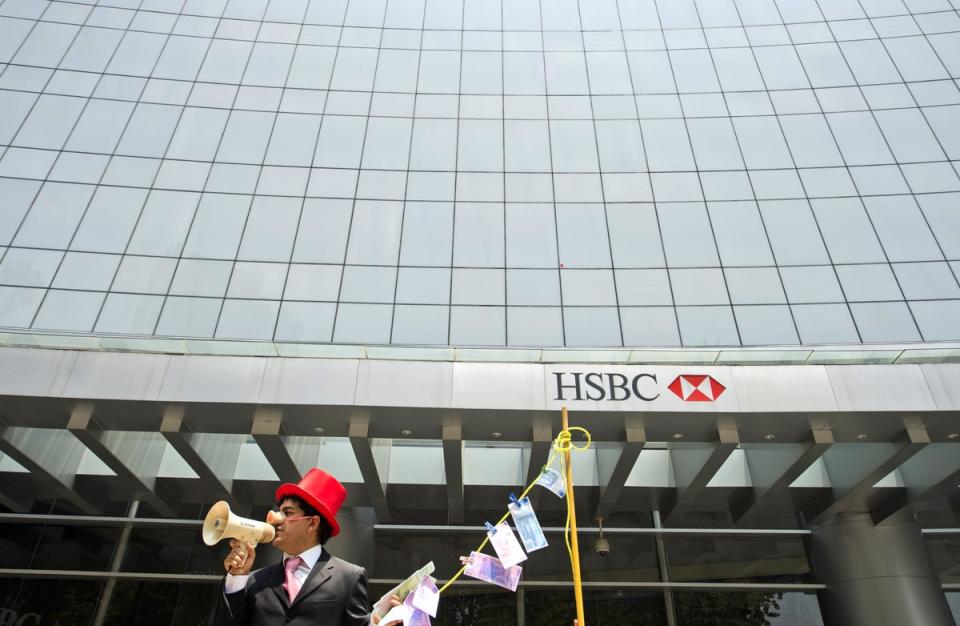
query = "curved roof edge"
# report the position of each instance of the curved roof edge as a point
(852, 354)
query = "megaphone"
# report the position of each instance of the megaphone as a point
(221, 523)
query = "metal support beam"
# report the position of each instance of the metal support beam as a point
(103, 605)
(212, 457)
(663, 565)
(773, 467)
(267, 431)
(541, 439)
(856, 468)
(376, 486)
(453, 466)
(694, 465)
(53, 457)
(133, 456)
(933, 472)
(635, 437)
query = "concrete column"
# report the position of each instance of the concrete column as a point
(876, 574)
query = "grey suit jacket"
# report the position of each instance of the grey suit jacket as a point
(334, 594)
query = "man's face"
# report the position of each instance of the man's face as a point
(297, 532)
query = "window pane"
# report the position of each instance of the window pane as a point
(69, 310)
(696, 607)
(478, 235)
(99, 128)
(740, 233)
(29, 268)
(245, 138)
(531, 239)
(129, 313)
(54, 217)
(825, 323)
(592, 326)
(270, 230)
(375, 233)
(707, 326)
(901, 228)
(247, 319)
(588, 287)
(687, 237)
(582, 233)
(885, 321)
(50, 122)
(189, 317)
(93, 272)
(163, 225)
(847, 231)
(340, 142)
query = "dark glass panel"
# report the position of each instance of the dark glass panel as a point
(46, 602)
(161, 604)
(17, 544)
(174, 551)
(477, 607)
(945, 554)
(737, 559)
(75, 547)
(610, 607)
(631, 558)
(747, 608)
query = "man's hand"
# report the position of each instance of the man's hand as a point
(394, 601)
(240, 561)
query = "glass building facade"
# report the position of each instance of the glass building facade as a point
(478, 172)
(239, 238)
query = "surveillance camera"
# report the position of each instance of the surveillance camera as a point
(602, 547)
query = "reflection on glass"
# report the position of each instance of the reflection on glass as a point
(752, 608)
(159, 604)
(719, 559)
(945, 554)
(614, 607)
(81, 548)
(175, 552)
(630, 558)
(47, 601)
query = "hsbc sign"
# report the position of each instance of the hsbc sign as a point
(645, 385)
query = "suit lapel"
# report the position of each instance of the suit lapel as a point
(321, 573)
(276, 579)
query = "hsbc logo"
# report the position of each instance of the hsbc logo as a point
(696, 388)
(617, 387)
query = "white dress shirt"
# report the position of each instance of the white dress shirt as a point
(310, 557)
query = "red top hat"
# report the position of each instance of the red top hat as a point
(321, 491)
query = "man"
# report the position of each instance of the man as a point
(310, 586)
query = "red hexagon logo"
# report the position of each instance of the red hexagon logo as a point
(696, 388)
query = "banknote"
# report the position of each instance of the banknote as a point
(403, 589)
(553, 480)
(418, 618)
(485, 567)
(506, 545)
(528, 526)
(401, 613)
(425, 597)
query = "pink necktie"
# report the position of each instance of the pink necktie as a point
(290, 583)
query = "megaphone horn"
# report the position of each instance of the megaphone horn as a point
(221, 523)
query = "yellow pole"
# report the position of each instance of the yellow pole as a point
(572, 513)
